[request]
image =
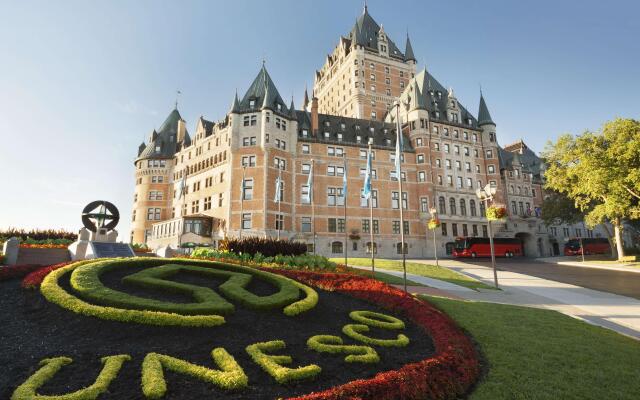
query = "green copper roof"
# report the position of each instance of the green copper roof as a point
(484, 118)
(365, 33)
(163, 143)
(408, 51)
(264, 94)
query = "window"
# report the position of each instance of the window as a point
(443, 228)
(441, 205)
(514, 208)
(364, 202)
(305, 197)
(436, 146)
(306, 169)
(248, 161)
(280, 163)
(456, 149)
(459, 182)
(335, 196)
(449, 180)
(452, 206)
(424, 204)
(491, 169)
(336, 247)
(469, 183)
(153, 214)
(363, 154)
(371, 247)
(454, 229)
(207, 203)
(399, 248)
(336, 224)
(305, 224)
(422, 176)
(489, 154)
(420, 158)
(157, 179)
(472, 207)
(247, 189)
(439, 179)
(279, 222)
(446, 148)
(246, 221)
(195, 207)
(305, 149)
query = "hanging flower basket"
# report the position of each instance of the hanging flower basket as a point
(495, 213)
(433, 223)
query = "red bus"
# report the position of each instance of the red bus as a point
(479, 247)
(591, 246)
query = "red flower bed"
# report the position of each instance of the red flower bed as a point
(16, 271)
(36, 277)
(43, 246)
(448, 374)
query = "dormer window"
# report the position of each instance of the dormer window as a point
(401, 74)
(357, 127)
(326, 135)
(279, 107)
(359, 139)
(305, 133)
(383, 48)
(439, 94)
(326, 123)
(252, 103)
(342, 126)
(339, 135)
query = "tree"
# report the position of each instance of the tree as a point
(558, 209)
(600, 172)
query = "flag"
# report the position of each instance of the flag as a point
(344, 181)
(366, 190)
(399, 146)
(309, 195)
(278, 186)
(183, 185)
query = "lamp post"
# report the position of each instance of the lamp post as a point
(485, 195)
(433, 212)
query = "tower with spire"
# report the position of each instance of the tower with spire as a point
(366, 72)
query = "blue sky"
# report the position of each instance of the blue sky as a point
(83, 82)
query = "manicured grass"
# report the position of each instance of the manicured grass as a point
(392, 279)
(427, 270)
(542, 354)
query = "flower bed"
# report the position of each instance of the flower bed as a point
(16, 271)
(43, 246)
(449, 374)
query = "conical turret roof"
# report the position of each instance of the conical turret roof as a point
(365, 33)
(408, 51)
(484, 118)
(263, 93)
(163, 143)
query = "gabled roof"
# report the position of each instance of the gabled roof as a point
(365, 33)
(523, 157)
(484, 118)
(263, 93)
(434, 97)
(353, 127)
(207, 126)
(163, 143)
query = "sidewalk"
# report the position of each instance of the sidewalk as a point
(618, 313)
(589, 264)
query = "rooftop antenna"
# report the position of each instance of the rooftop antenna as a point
(178, 93)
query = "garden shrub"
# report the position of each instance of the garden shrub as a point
(304, 262)
(52, 291)
(50, 366)
(16, 271)
(229, 376)
(37, 234)
(354, 331)
(377, 320)
(268, 247)
(273, 364)
(334, 345)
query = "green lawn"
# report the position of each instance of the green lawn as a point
(542, 354)
(429, 271)
(393, 280)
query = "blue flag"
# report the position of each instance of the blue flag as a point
(399, 147)
(366, 190)
(309, 196)
(344, 181)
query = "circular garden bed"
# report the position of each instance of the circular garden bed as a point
(187, 329)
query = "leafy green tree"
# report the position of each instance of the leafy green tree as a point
(558, 209)
(600, 172)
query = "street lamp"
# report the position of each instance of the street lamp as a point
(433, 212)
(485, 195)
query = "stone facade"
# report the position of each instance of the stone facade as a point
(222, 182)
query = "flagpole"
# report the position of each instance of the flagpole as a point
(313, 207)
(278, 197)
(373, 246)
(400, 197)
(242, 201)
(344, 194)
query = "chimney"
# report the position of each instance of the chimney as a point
(181, 130)
(314, 113)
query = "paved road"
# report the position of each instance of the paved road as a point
(617, 282)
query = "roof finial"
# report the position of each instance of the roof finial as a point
(178, 93)
(480, 89)
(365, 7)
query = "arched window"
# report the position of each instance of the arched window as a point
(442, 206)
(375, 248)
(463, 207)
(452, 206)
(472, 207)
(483, 212)
(336, 247)
(399, 248)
